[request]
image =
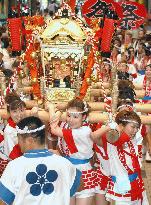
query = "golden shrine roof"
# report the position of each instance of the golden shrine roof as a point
(64, 27)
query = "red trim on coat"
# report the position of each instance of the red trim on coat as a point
(11, 123)
(68, 137)
(1, 138)
(16, 152)
(121, 140)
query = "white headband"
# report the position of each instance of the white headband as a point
(130, 121)
(75, 112)
(126, 105)
(105, 62)
(80, 112)
(27, 131)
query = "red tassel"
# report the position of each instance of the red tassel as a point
(15, 28)
(107, 34)
(72, 4)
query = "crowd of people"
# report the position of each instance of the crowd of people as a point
(133, 60)
(75, 162)
(89, 161)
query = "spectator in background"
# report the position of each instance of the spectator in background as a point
(4, 31)
(53, 6)
(1, 43)
(148, 26)
(46, 14)
(128, 39)
(1, 58)
(122, 71)
(7, 53)
(106, 70)
(141, 35)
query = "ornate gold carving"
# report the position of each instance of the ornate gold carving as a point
(88, 95)
(62, 53)
(63, 31)
(60, 94)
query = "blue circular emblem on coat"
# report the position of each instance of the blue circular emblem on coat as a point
(41, 180)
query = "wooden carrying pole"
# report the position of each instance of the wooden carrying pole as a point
(29, 104)
(137, 86)
(98, 92)
(94, 106)
(94, 116)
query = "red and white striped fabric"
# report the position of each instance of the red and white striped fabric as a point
(3, 164)
(123, 163)
(102, 171)
(11, 146)
(3, 159)
(101, 164)
(1, 139)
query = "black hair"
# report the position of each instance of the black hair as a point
(143, 45)
(124, 102)
(124, 116)
(46, 10)
(148, 37)
(33, 123)
(14, 102)
(129, 49)
(67, 81)
(126, 90)
(127, 93)
(6, 42)
(117, 39)
(8, 73)
(51, 13)
(148, 50)
(149, 65)
(123, 75)
(79, 105)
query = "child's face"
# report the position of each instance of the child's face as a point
(140, 34)
(131, 51)
(17, 114)
(105, 68)
(148, 71)
(122, 67)
(74, 118)
(131, 129)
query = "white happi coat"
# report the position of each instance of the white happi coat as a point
(77, 144)
(82, 140)
(11, 147)
(118, 170)
(39, 177)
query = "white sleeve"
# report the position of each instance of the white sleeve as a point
(139, 138)
(7, 189)
(139, 80)
(10, 140)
